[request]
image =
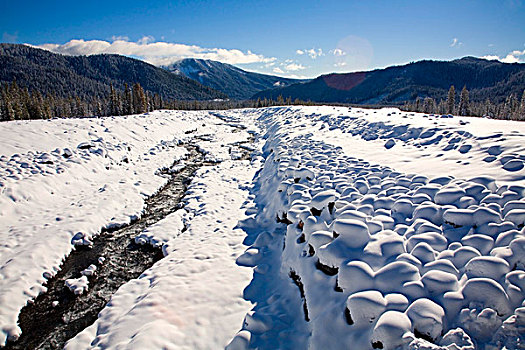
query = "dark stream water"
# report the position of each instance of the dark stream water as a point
(48, 325)
(45, 326)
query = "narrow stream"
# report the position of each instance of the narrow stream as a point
(47, 324)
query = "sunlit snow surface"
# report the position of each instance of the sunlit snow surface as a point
(64, 180)
(404, 230)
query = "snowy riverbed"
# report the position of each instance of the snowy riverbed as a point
(62, 181)
(394, 229)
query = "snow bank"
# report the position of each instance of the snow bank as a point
(366, 228)
(63, 180)
(386, 248)
(191, 299)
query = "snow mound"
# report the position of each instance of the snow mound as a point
(77, 285)
(365, 228)
(401, 235)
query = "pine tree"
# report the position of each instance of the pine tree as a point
(157, 99)
(442, 107)
(521, 113)
(37, 104)
(6, 110)
(429, 105)
(514, 106)
(25, 104)
(487, 108)
(451, 100)
(417, 107)
(464, 104)
(128, 100)
(114, 102)
(140, 104)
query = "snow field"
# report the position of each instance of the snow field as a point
(416, 143)
(366, 228)
(386, 258)
(63, 180)
(191, 299)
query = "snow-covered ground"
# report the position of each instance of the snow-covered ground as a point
(402, 230)
(366, 228)
(191, 299)
(62, 181)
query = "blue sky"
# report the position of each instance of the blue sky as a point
(287, 38)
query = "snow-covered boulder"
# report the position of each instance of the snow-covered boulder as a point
(390, 330)
(354, 233)
(319, 238)
(430, 212)
(438, 282)
(356, 276)
(322, 199)
(487, 293)
(77, 285)
(482, 243)
(487, 266)
(392, 276)
(364, 308)
(449, 195)
(480, 324)
(457, 339)
(396, 302)
(424, 252)
(459, 217)
(427, 318)
(433, 239)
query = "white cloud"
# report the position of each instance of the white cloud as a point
(294, 67)
(338, 52)
(490, 57)
(146, 40)
(456, 43)
(340, 64)
(278, 70)
(155, 52)
(511, 57)
(313, 53)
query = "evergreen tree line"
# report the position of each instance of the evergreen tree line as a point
(510, 109)
(20, 103)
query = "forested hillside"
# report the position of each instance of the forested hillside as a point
(234, 82)
(88, 77)
(395, 85)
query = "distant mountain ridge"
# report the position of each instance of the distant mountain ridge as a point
(394, 85)
(91, 76)
(233, 81)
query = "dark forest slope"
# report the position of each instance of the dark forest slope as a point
(394, 85)
(91, 76)
(234, 82)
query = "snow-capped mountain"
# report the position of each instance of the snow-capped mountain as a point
(231, 80)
